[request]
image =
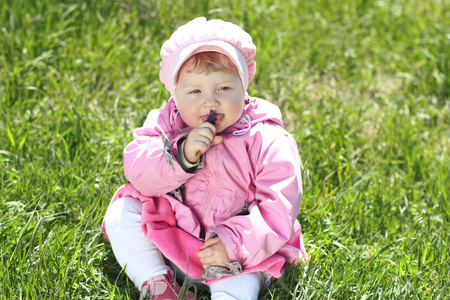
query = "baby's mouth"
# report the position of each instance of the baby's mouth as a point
(212, 118)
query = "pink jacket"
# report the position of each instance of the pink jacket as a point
(247, 190)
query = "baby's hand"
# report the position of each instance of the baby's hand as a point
(199, 140)
(213, 253)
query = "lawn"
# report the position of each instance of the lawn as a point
(364, 87)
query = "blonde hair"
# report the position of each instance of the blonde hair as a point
(209, 62)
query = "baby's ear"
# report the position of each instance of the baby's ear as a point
(217, 140)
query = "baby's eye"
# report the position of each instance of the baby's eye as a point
(224, 88)
(196, 91)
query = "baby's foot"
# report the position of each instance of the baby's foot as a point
(163, 287)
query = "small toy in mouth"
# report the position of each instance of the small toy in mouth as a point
(212, 117)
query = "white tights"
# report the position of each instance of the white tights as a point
(143, 260)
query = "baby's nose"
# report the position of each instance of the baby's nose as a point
(212, 100)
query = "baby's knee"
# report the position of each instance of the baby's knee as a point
(122, 212)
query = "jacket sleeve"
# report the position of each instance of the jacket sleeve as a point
(146, 158)
(252, 238)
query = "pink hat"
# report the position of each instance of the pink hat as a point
(200, 35)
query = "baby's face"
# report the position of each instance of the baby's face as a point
(198, 93)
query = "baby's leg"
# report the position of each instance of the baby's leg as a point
(242, 287)
(131, 247)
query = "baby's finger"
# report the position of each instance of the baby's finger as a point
(209, 243)
(209, 126)
(217, 140)
(205, 253)
(205, 258)
(211, 261)
(201, 145)
(207, 133)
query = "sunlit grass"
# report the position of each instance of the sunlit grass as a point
(363, 86)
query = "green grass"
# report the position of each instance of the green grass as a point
(364, 87)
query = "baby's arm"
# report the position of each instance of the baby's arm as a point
(270, 224)
(145, 164)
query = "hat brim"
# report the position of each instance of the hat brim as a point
(225, 48)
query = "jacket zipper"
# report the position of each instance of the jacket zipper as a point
(213, 185)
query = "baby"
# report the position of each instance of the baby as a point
(215, 184)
